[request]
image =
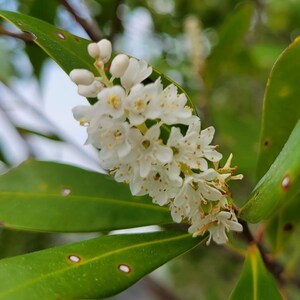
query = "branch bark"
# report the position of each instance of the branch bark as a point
(24, 36)
(91, 29)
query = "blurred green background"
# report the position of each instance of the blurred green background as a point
(220, 51)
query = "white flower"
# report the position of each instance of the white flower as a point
(197, 189)
(149, 149)
(185, 148)
(159, 186)
(114, 144)
(217, 225)
(83, 114)
(92, 90)
(178, 213)
(93, 50)
(136, 72)
(119, 65)
(208, 151)
(105, 49)
(111, 101)
(173, 107)
(170, 166)
(143, 102)
(82, 76)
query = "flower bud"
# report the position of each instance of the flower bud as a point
(82, 76)
(119, 65)
(91, 90)
(93, 50)
(105, 49)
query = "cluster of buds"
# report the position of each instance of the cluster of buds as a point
(148, 137)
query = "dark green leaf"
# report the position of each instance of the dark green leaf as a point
(90, 269)
(231, 37)
(281, 109)
(45, 12)
(283, 225)
(46, 196)
(68, 50)
(279, 185)
(255, 282)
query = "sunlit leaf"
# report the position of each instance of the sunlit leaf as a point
(90, 269)
(255, 282)
(279, 185)
(46, 196)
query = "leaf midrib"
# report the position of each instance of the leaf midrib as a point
(85, 262)
(25, 195)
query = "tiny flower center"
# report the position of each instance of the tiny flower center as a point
(117, 134)
(146, 144)
(156, 176)
(139, 105)
(114, 101)
(175, 150)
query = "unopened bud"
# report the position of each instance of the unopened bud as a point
(82, 76)
(105, 49)
(93, 50)
(91, 90)
(119, 65)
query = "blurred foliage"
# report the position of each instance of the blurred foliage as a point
(238, 44)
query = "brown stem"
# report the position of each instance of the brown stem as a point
(91, 29)
(273, 266)
(24, 36)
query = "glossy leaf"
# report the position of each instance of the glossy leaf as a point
(281, 109)
(47, 13)
(68, 50)
(90, 269)
(46, 196)
(279, 185)
(255, 282)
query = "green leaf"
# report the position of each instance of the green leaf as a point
(283, 225)
(281, 109)
(255, 282)
(231, 37)
(279, 185)
(68, 50)
(46, 196)
(90, 269)
(46, 12)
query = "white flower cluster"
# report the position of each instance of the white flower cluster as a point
(148, 137)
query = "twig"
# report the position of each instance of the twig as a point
(91, 29)
(273, 266)
(24, 36)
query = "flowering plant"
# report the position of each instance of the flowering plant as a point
(129, 124)
(160, 167)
